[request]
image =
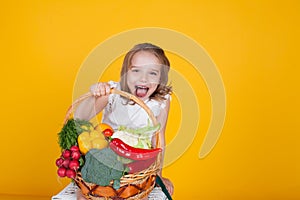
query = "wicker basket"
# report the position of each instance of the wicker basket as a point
(132, 186)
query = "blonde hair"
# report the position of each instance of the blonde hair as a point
(162, 88)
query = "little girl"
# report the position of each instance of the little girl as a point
(144, 74)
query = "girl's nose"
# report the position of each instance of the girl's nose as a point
(144, 77)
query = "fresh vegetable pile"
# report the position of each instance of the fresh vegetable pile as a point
(103, 155)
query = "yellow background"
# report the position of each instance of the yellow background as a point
(253, 43)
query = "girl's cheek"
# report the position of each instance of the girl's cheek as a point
(133, 76)
(130, 77)
(154, 80)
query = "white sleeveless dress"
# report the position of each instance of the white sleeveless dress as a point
(120, 112)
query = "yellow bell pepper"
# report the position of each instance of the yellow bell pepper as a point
(89, 140)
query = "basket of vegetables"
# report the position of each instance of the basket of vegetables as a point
(102, 162)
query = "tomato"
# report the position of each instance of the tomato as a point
(108, 132)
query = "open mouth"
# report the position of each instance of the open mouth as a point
(141, 91)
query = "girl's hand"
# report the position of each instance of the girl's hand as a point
(100, 89)
(79, 195)
(169, 185)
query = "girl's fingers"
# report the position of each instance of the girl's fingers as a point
(107, 88)
(79, 195)
(92, 90)
(100, 89)
(169, 185)
(104, 89)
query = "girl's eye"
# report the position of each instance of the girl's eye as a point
(135, 70)
(153, 73)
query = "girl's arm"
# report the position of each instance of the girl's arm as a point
(91, 106)
(162, 118)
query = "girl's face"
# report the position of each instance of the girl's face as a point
(144, 74)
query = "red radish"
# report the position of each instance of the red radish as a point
(70, 173)
(66, 153)
(74, 164)
(74, 148)
(66, 163)
(59, 162)
(75, 155)
(62, 172)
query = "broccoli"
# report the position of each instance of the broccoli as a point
(101, 167)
